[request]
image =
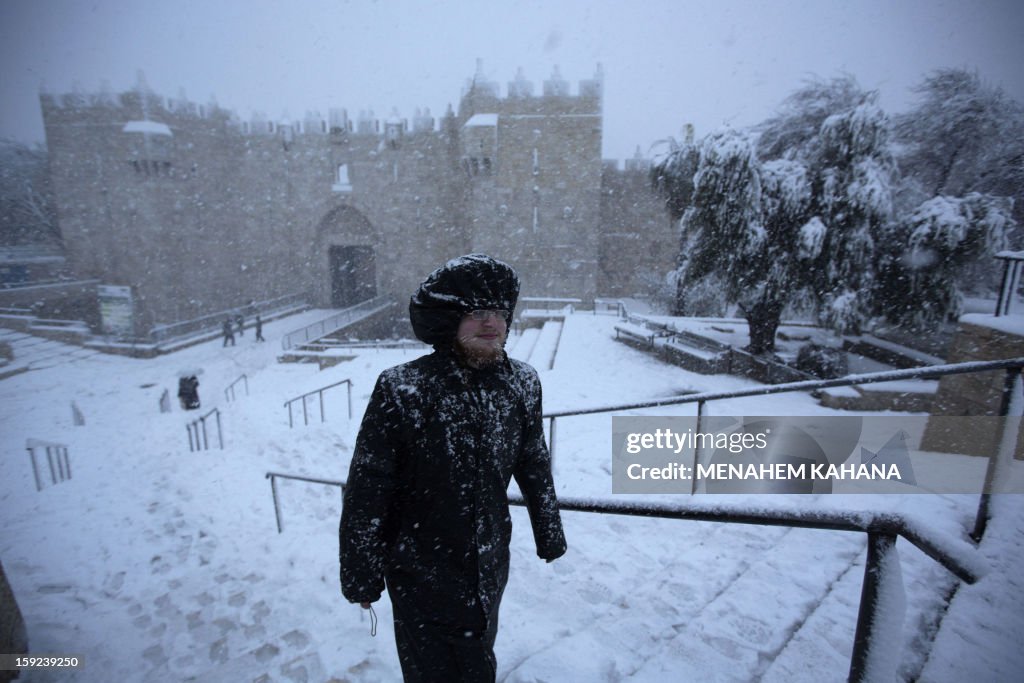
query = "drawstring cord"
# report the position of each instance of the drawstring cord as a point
(373, 622)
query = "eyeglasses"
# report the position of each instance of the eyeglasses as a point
(485, 314)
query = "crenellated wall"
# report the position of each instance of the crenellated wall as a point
(198, 211)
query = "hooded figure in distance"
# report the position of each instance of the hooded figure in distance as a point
(426, 508)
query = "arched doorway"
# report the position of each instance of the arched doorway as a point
(347, 239)
(353, 274)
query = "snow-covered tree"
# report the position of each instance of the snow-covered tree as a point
(963, 136)
(853, 174)
(813, 211)
(743, 228)
(837, 130)
(672, 173)
(922, 267)
(793, 132)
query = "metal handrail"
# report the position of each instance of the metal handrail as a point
(46, 284)
(929, 372)
(274, 476)
(620, 308)
(55, 453)
(1012, 366)
(197, 444)
(320, 391)
(229, 392)
(882, 530)
(334, 322)
(1013, 264)
(212, 322)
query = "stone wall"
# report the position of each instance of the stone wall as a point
(198, 212)
(977, 394)
(639, 242)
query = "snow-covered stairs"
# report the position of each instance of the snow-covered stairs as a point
(35, 353)
(745, 627)
(538, 347)
(521, 345)
(734, 616)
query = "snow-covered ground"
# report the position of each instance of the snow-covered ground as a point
(155, 563)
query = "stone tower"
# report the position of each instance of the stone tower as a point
(534, 169)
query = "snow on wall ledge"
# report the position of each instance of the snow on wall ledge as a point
(1010, 324)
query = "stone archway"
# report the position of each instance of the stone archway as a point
(345, 258)
(353, 274)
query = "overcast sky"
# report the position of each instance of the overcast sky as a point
(666, 62)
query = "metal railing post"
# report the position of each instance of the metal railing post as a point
(49, 459)
(277, 507)
(1012, 262)
(229, 393)
(272, 476)
(59, 453)
(220, 435)
(696, 449)
(320, 393)
(57, 461)
(981, 519)
(35, 468)
(880, 549)
(551, 437)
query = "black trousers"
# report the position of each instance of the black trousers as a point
(431, 652)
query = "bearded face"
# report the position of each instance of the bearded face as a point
(481, 337)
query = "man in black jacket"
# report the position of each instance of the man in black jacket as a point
(426, 507)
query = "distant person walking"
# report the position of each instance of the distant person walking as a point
(229, 335)
(259, 329)
(240, 321)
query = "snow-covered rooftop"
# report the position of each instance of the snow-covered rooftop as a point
(482, 120)
(149, 127)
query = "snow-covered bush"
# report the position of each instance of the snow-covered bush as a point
(921, 274)
(824, 362)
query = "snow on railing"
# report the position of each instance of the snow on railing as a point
(882, 576)
(1012, 366)
(881, 591)
(1013, 264)
(197, 439)
(56, 458)
(212, 322)
(229, 391)
(320, 393)
(333, 323)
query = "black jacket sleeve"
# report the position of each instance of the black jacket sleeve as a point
(367, 508)
(533, 475)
